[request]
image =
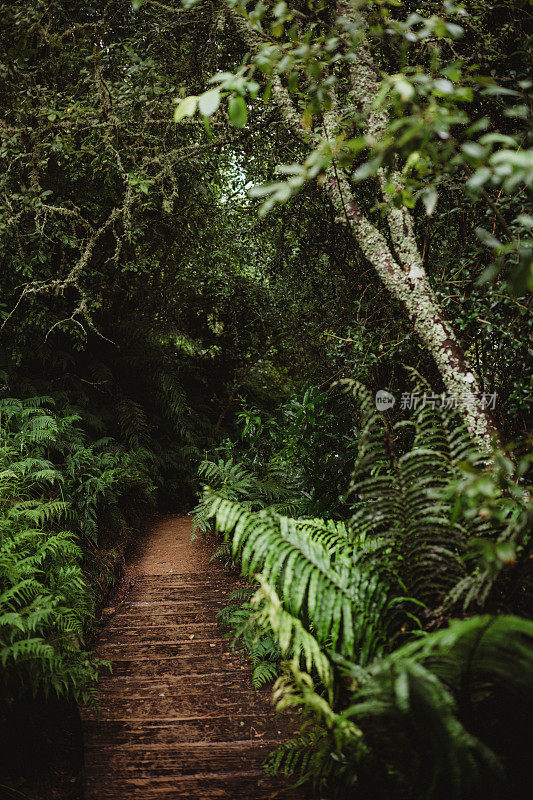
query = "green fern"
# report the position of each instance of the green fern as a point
(45, 603)
(322, 585)
(399, 498)
(259, 643)
(337, 598)
(416, 723)
(264, 673)
(133, 422)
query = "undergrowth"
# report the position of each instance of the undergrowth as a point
(404, 631)
(54, 488)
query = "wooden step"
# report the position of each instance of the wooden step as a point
(244, 785)
(165, 616)
(159, 760)
(211, 727)
(162, 703)
(215, 578)
(220, 691)
(207, 664)
(155, 649)
(183, 685)
(188, 603)
(161, 631)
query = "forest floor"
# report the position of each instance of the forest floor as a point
(179, 717)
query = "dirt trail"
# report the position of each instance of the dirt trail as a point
(179, 716)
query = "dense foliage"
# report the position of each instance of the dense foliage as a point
(209, 214)
(394, 706)
(44, 599)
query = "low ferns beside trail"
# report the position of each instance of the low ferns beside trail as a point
(313, 566)
(235, 481)
(446, 716)
(397, 704)
(260, 646)
(46, 605)
(44, 601)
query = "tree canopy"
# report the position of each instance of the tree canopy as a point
(211, 213)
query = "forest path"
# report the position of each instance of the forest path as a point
(179, 717)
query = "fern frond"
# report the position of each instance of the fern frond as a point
(264, 673)
(345, 608)
(415, 703)
(133, 423)
(294, 640)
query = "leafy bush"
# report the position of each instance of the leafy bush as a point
(47, 607)
(44, 600)
(396, 707)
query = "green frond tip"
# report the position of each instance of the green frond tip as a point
(264, 673)
(293, 639)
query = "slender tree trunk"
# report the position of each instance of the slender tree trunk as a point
(411, 287)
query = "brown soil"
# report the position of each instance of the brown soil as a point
(179, 717)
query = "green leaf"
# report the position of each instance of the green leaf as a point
(473, 150)
(186, 108)
(479, 178)
(208, 102)
(429, 198)
(443, 87)
(238, 113)
(367, 169)
(404, 89)
(488, 239)
(207, 126)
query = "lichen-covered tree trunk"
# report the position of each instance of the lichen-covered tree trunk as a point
(401, 269)
(409, 284)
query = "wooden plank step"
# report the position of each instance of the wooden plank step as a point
(162, 633)
(184, 684)
(227, 692)
(214, 572)
(196, 579)
(211, 727)
(144, 649)
(180, 594)
(244, 785)
(184, 604)
(164, 704)
(155, 616)
(200, 664)
(215, 676)
(134, 626)
(213, 579)
(175, 705)
(186, 759)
